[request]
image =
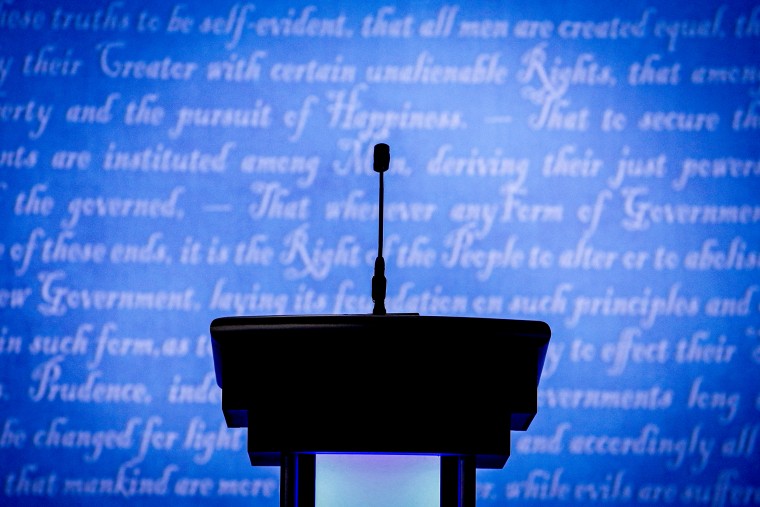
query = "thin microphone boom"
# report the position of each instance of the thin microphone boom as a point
(381, 162)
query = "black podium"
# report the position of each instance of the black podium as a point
(453, 387)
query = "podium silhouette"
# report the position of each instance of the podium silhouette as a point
(452, 387)
(399, 383)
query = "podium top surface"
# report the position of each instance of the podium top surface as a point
(394, 320)
(404, 334)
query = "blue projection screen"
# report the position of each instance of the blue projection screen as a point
(593, 165)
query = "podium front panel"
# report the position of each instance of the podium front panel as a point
(379, 384)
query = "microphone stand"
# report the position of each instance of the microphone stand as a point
(381, 162)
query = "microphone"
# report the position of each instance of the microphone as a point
(380, 164)
(382, 159)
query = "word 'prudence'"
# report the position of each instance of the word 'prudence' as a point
(48, 387)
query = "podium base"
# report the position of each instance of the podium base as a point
(298, 478)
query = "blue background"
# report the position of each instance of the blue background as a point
(591, 165)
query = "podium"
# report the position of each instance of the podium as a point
(453, 387)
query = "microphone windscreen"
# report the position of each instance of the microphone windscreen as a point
(382, 158)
